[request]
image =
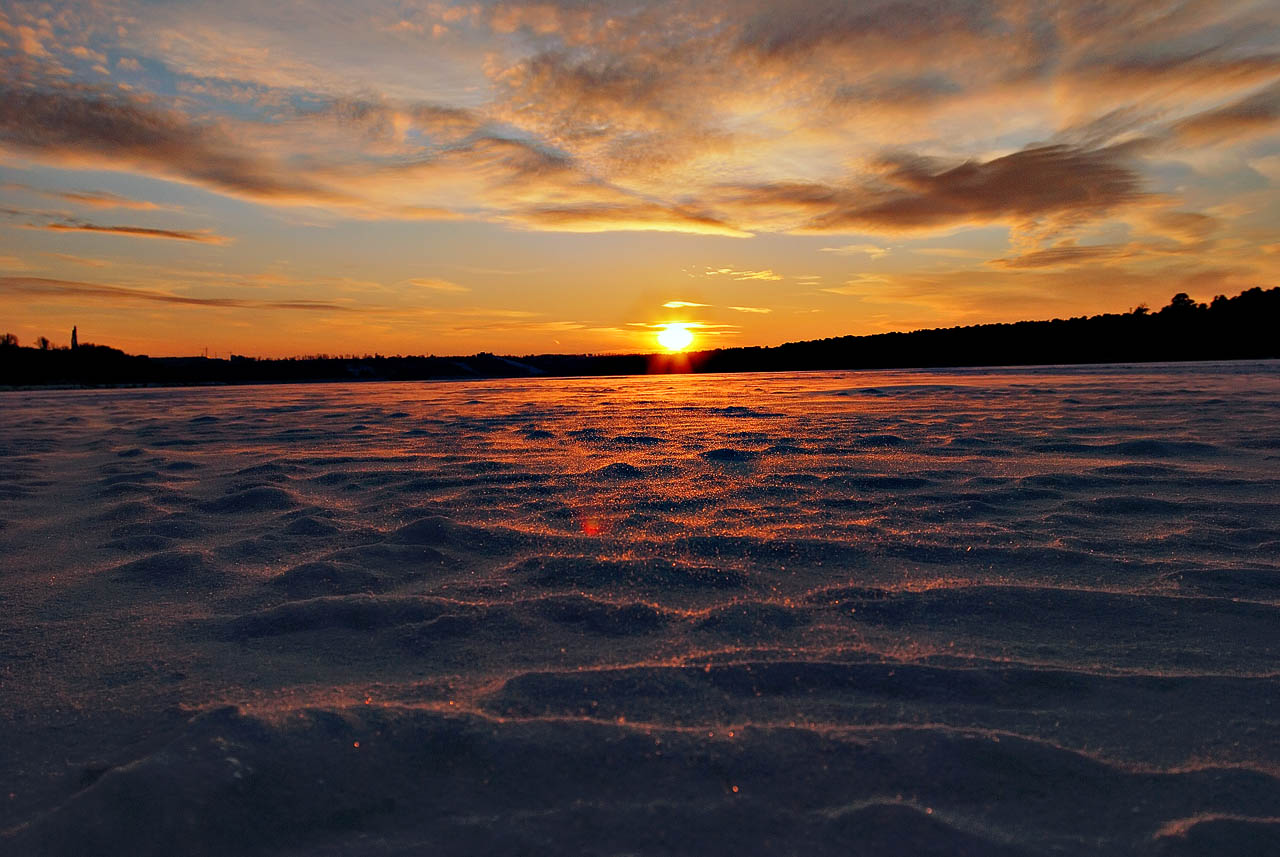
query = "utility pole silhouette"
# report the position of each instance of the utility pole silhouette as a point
(74, 342)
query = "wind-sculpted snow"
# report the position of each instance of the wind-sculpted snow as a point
(965, 612)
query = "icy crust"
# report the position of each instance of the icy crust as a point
(967, 612)
(387, 780)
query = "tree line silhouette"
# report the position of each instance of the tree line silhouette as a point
(1242, 327)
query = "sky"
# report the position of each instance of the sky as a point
(274, 179)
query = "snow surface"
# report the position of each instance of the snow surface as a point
(1014, 611)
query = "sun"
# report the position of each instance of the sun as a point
(675, 336)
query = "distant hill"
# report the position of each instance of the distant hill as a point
(1242, 327)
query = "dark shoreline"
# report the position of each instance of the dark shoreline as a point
(1239, 328)
(464, 379)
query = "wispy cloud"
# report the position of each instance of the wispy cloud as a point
(1067, 255)
(86, 261)
(55, 288)
(872, 250)
(758, 310)
(637, 216)
(859, 285)
(681, 304)
(437, 285)
(61, 222)
(201, 237)
(734, 274)
(78, 125)
(91, 198)
(1254, 114)
(692, 325)
(1054, 184)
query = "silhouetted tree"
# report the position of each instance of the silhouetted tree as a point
(43, 343)
(8, 340)
(1181, 306)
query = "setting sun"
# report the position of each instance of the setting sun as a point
(675, 337)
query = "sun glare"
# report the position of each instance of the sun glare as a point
(675, 337)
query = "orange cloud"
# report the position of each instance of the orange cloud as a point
(632, 216)
(102, 199)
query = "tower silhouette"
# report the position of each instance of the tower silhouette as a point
(74, 343)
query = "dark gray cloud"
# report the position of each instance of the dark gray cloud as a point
(1257, 112)
(63, 222)
(788, 28)
(89, 124)
(919, 193)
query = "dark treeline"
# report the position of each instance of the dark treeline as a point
(1243, 327)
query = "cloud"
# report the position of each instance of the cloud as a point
(751, 309)
(1042, 187)
(1254, 114)
(358, 160)
(605, 217)
(733, 274)
(80, 260)
(82, 125)
(519, 326)
(857, 249)
(921, 194)
(790, 29)
(54, 288)
(438, 285)
(1172, 74)
(94, 198)
(700, 116)
(857, 285)
(707, 327)
(201, 237)
(1186, 225)
(1060, 257)
(681, 304)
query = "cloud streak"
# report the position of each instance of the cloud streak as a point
(90, 198)
(56, 288)
(438, 285)
(202, 237)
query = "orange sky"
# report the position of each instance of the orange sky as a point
(403, 177)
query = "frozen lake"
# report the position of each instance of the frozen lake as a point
(1009, 611)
